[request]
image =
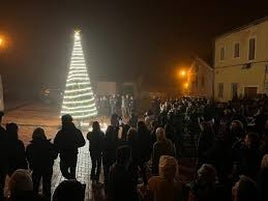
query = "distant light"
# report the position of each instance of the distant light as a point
(1, 41)
(77, 35)
(182, 73)
(186, 85)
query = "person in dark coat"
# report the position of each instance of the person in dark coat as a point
(245, 189)
(205, 142)
(144, 148)
(95, 138)
(67, 142)
(122, 182)
(3, 157)
(69, 190)
(251, 156)
(16, 150)
(220, 156)
(262, 181)
(162, 146)
(131, 142)
(111, 142)
(41, 154)
(133, 120)
(203, 188)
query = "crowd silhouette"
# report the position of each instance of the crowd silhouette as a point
(141, 157)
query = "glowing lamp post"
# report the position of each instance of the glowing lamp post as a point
(186, 85)
(183, 73)
(184, 77)
(2, 42)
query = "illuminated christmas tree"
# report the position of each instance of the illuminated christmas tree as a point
(78, 99)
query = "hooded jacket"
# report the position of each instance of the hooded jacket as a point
(41, 154)
(69, 139)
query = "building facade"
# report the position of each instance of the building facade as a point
(241, 62)
(201, 78)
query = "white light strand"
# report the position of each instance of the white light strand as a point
(79, 107)
(83, 116)
(77, 76)
(77, 90)
(77, 84)
(78, 71)
(78, 97)
(79, 111)
(77, 101)
(77, 79)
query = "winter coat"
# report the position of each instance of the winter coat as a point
(164, 189)
(165, 186)
(263, 184)
(122, 185)
(96, 141)
(3, 152)
(144, 145)
(110, 144)
(250, 162)
(41, 155)
(160, 148)
(202, 192)
(69, 139)
(16, 155)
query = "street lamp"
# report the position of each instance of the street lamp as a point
(182, 73)
(186, 85)
(1, 41)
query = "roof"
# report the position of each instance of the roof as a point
(255, 22)
(203, 62)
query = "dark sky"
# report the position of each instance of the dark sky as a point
(122, 39)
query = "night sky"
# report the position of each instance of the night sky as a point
(122, 39)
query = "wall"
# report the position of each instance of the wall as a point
(234, 70)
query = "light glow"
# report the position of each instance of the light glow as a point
(182, 73)
(78, 99)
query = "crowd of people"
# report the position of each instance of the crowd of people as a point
(141, 157)
(26, 168)
(122, 105)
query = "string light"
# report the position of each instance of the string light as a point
(78, 99)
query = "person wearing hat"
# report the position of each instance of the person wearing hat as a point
(41, 154)
(67, 141)
(166, 186)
